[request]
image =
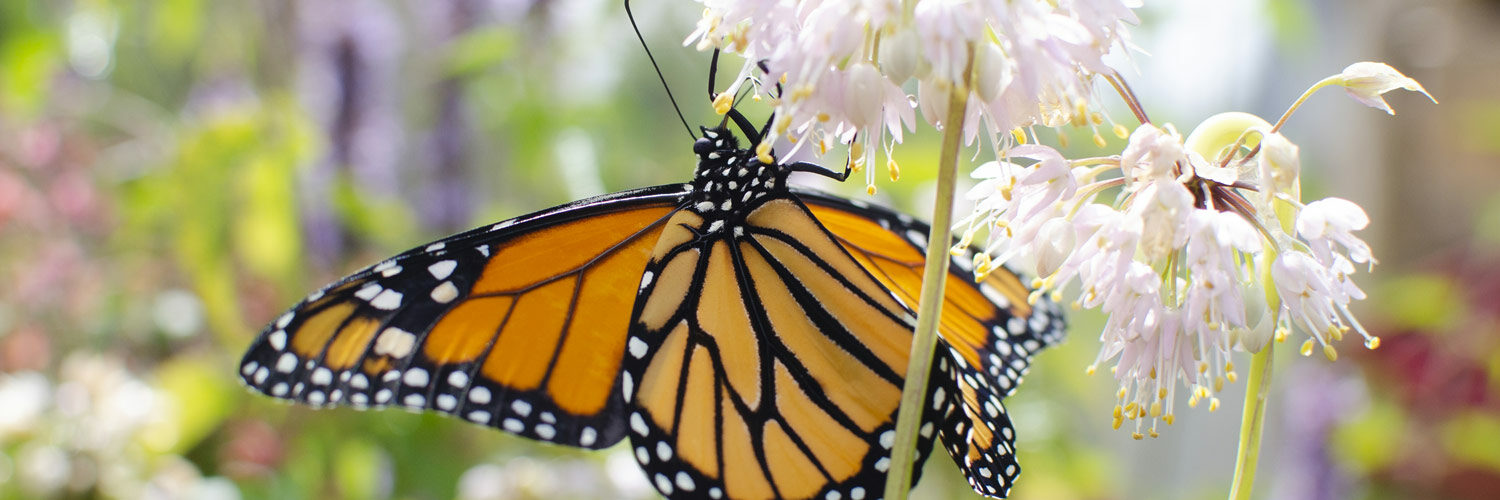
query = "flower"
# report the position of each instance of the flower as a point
(1367, 81)
(835, 69)
(1180, 258)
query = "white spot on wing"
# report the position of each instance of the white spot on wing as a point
(395, 342)
(637, 347)
(368, 291)
(286, 363)
(387, 300)
(444, 293)
(416, 377)
(588, 436)
(638, 424)
(480, 395)
(442, 269)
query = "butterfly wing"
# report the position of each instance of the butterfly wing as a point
(767, 364)
(518, 325)
(988, 326)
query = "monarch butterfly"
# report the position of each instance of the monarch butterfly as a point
(750, 338)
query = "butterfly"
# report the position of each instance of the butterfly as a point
(750, 338)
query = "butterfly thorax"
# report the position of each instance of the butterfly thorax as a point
(729, 180)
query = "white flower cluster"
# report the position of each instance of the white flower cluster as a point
(1180, 259)
(835, 69)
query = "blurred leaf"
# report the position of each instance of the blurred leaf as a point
(267, 231)
(28, 62)
(201, 396)
(1487, 222)
(176, 29)
(387, 221)
(360, 470)
(1478, 125)
(1371, 440)
(1423, 302)
(1471, 439)
(1291, 20)
(479, 50)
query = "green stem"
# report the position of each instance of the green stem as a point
(929, 307)
(1303, 98)
(1252, 422)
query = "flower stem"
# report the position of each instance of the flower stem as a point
(929, 307)
(1252, 422)
(1303, 98)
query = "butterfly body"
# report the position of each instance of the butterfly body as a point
(749, 339)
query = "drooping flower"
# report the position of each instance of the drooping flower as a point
(1367, 81)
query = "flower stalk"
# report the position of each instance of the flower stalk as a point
(930, 305)
(1252, 422)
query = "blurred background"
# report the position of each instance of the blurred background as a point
(174, 173)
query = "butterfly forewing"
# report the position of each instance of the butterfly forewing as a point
(518, 325)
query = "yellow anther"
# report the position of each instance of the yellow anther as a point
(870, 190)
(1153, 373)
(1154, 435)
(1169, 418)
(1218, 383)
(1120, 395)
(1202, 392)
(1307, 348)
(890, 164)
(1019, 134)
(1062, 140)
(1372, 343)
(1336, 333)
(1136, 436)
(1130, 409)
(1099, 140)
(1213, 404)
(1156, 409)
(1090, 370)
(1281, 334)
(1328, 351)
(1140, 412)
(1233, 377)
(1121, 131)
(1202, 367)
(1229, 367)
(1193, 401)
(823, 117)
(1161, 393)
(1119, 413)
(723, 102)
(857, 150)
(1117, 422)
(763, 153)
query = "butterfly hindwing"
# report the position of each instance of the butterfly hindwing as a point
(770, 365)
(989, 331)
(517, 325)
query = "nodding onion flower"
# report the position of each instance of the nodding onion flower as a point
(835, 69)
(1193, 247)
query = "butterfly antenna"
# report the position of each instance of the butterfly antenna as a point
(663, 78)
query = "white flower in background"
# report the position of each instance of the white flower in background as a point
(835, 69)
